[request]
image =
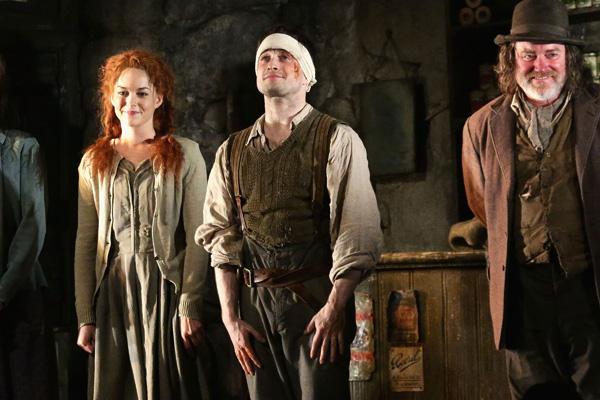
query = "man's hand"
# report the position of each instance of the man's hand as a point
(86, 338)
(240, 332)
(328, 325)
(191, 332)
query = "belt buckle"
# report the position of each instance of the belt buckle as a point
(248, 277)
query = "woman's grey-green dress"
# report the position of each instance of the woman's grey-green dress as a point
(139, 353)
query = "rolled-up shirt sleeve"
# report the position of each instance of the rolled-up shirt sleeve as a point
(220, 232)
(355, 224)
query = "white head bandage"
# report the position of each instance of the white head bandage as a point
(292, 46)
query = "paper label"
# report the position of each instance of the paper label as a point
(406, 369)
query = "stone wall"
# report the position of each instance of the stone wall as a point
(417, 209)
(211, 46)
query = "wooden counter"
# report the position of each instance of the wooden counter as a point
(460, 362)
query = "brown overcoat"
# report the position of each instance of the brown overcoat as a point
(488, 161)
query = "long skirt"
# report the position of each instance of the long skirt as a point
(139, 352)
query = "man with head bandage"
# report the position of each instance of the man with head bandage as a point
(287, 43)
(291, 212)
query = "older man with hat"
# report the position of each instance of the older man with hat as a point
(291, 212)
(531, 163)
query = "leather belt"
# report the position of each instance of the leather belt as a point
(285, 278)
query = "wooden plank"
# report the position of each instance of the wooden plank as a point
(434, 257)
(462, 371)
(428, 285)
(364, 390)
(492, 379)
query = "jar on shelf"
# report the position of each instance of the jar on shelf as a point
(591, 61)
(570, 4)
(584, 3)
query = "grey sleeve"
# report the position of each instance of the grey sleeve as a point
(26, 245)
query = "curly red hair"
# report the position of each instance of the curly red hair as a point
(167, 154)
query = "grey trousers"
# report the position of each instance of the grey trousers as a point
(287, 370)
(558, 336)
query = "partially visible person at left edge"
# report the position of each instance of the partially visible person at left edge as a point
(23, 365)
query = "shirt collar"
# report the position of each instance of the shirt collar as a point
(258, 128)
(515, 104)
(522, 108)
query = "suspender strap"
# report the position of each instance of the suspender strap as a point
(234, 149)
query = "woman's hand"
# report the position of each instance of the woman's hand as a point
(191, 332)
(86, 338)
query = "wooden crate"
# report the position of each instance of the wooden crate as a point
(460, 361)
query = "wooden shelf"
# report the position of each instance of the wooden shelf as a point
(576, 16)
(582, 15)
(432, 259)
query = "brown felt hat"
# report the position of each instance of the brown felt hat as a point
(540, 21)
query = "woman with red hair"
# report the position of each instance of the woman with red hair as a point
(138, 273)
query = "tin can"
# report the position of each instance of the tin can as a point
(466, 16)
(570, 4)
